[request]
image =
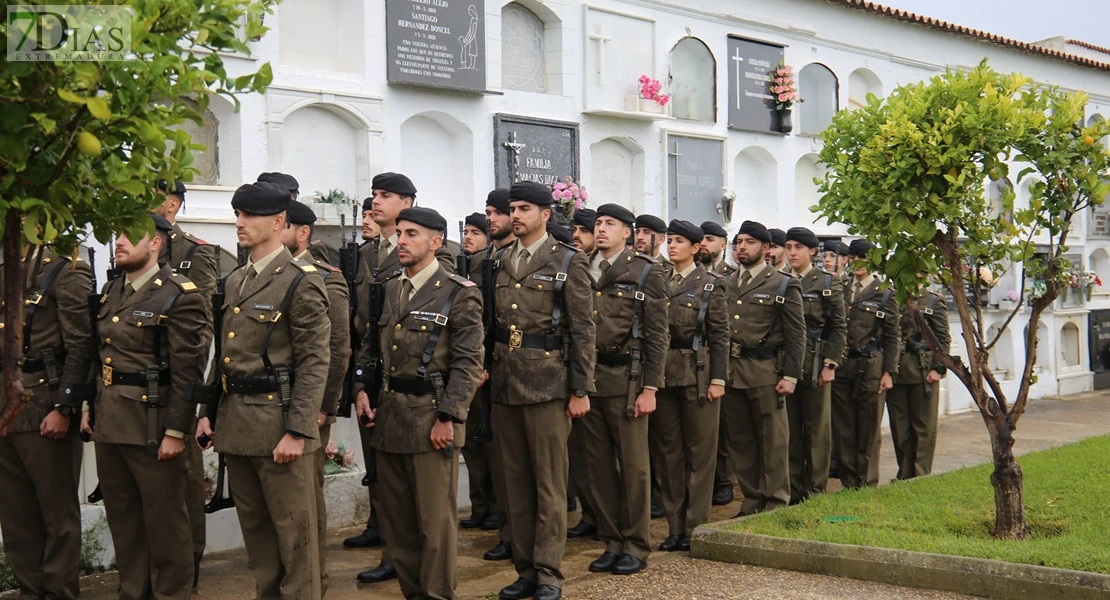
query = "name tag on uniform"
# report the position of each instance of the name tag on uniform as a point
(689, 295)
(142, 313)
(810, 296)
(263, 307)
(543, 278)
(420, 315)
(622, 286)
(762, 296)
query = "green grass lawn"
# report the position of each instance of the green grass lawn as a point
(1067, 497)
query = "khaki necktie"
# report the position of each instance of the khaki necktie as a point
(603, 268)
(383, 251)
(521, 258)
(745, 278)
(676, 280)
(857, 289)
(128, 290)
(406, 293)
(251, 274)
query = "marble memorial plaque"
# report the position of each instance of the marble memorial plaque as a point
(751, 106)
(436, 43)
(527, 149)
(695, 175)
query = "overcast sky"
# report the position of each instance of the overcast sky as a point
(1024, 20)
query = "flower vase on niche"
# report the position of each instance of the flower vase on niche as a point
(569, 196)
(785, 120)
(784, 89)
(650, 100)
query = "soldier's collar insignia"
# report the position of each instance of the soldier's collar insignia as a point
(437, 284)
(158, 282)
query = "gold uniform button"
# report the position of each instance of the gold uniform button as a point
(547, 354)
(512, 327)
(108, 360)
(115, 319)
(44, 381)
(235, 310)
(107, 340)
(517, 286)
(539, 287)
(394, 347)
(227, 359)
(1, 325)
(423, 328)
(736, 317)
(139, 324)
(595, 313)
(143, 397)
(688, 305)
(392, 369)
(261, 317)
(598, 294)
(514, 306)
(270, 397)
(397, 326)
(739, 301)
(620, 294)
(231, 335)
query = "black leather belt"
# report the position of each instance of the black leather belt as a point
(411, 387)
(815, 333)
(682, 343)
(516, 338)
(112, 377)
(865, 352)
(917, 347)
(759, 353)
(609, 359)
(34, 365)
(252, 385)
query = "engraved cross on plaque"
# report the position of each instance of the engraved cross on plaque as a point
(601, 39)
(514, 158)
(739, 60)
(675, 153)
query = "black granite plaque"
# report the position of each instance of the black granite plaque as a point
(1099, 346)
(527, 149)
(436, 43)
(751, 106)
(695, 169)
(1099, 224)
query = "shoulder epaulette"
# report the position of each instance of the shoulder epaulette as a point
(461, 280)
(307, 268)
(181, 282)
(568, 246)
(642, 256)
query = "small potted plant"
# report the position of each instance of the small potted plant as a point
(329, 205)
(569, 196)
(650, 100)
(338, 458)
(784, 88)
(1010, 300)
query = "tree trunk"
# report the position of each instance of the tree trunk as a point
(14, 396)
(1009, 491)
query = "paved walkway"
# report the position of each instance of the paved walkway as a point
(962, 441)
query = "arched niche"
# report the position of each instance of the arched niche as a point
(321, 34)
(320, 148)
(617, 173)
(531, 47)
(861, 83)
(1069, 343)
(806, 195)
(1044, 362)
(1099, 262)
(444, 178)
(756, 184)
(693, 81)
(820, 89)
(1002, 356)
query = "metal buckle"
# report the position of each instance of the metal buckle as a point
(826, 292)
(185, 264)
(780, 300)
(106, 375)
(928, 311)
(880, 314)
(560, 277)
(735, 351)
(34, 298)
(223, 382)
(385, 382)
(277, 316)
(640, 296)
(516, 339)
(709, 287)
(440, 320)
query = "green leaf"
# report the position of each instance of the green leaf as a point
(98, 106)
(69, 96)
(135, 188)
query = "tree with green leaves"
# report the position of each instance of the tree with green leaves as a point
(909, 172)
(82, 143)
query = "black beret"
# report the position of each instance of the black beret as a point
(714, 228)
(394, 182)
(778, 237)
(530, 191)
(260, 198)
(803, 236)
(300, 214)
(560, 233)
(368, 203)
(836, 246)
(477, 221)
(584, 217)
(860, 247)
(177, 188)
(687, 230)
(651, 222)
(756, 230)
(618, 212)
(161, 223)
(425, 217)
(286, 182)
(499, 199)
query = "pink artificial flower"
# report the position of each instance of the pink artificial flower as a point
(331, 449)
(560, 186)
(567, 195)
(555, 194)
(348, 459)
(578, 204)
(586, 196)
(664, 99)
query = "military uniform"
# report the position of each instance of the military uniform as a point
(872, 343)
(384, 255)
(722, 474)
(275, 502)
(808, 409)
(194, 259)
(722, 267)
(339, 345)
(416, 483)
(40, 515)
(767, 336)
(684, 423)
(630, 312)
(476, 452)
(154, 333)
(545, 351)
(912, 404)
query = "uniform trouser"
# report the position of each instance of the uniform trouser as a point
(194, 497)
(687, 434)
(318, 459)
(476, 455)
(500, 490)
(276, 506)
(858, 411)
(375, 508)
(40, 514)
(418, 495)
(759, 444)
(532, 442)
(722, 474)
(810, 444)
(580, 472)
(144, 500)
(620, 475)
(913, 427)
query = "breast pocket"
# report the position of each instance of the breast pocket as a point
(255, 321)
(139, 335)
(539, 294)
